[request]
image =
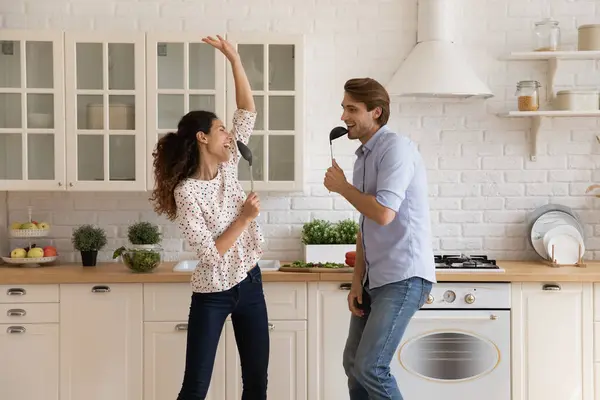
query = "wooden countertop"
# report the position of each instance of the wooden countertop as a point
(515, 271)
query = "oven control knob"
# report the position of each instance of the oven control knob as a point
(449, 296)
(429, 299)
(470, 299)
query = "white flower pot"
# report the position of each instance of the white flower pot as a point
(334, 253)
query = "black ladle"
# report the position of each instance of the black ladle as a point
(335, 133)
(247, 155)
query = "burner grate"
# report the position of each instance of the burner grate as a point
(464, 262)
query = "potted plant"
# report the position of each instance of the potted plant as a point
(326, 242)
(144, 254)
(143, 235)
(88, 240)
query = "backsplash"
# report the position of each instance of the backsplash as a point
(482, 183)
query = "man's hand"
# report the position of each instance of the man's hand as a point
(335, 180)
(354, 298)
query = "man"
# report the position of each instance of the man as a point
(395, 268)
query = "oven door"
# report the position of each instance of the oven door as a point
(455, 355)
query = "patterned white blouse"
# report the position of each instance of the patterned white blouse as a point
(205, 209)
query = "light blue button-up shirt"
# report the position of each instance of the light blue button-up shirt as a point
(390, 168)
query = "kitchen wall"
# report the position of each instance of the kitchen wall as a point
(482, 182)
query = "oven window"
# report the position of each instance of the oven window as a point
(449, 356)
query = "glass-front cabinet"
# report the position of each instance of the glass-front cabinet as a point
(84, 110)
(105, 105)
(183, 74)
(275, 68)
(32, 130)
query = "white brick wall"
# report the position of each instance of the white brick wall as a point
(482, 182)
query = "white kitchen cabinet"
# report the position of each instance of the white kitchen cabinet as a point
(32, 121)
(101, 341)
(552, 338)
(274, 64)
(183, 74)
(164, 362)
(105, 111)
(329, 323)
(29, 367)
(287, 362)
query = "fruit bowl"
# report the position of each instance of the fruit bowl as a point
(29, 229)
(140, 260)
(29, 262)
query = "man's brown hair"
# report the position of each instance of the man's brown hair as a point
(372, 93)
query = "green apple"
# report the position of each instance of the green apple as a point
(18, 253)
(29, 225)
(15, 225)
(35, 252)
(43, 225)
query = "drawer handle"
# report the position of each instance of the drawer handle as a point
(345, 286)
(181, 327)
(16, 292)
(271, 326)
(16, 312)
(555, 288)
(15, 329)
(100, 289)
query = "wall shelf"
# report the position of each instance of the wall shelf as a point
(550, 55)
(536, 121)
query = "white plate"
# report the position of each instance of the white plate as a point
(545, 223)
(562, 230)
(30, 262)
(566, 249)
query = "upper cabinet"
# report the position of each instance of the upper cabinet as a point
(105, 105)
(84, 110)
(183, 74)
(275, 68)
(32, 132)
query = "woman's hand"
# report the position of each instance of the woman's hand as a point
(251, 207)
(223, 46)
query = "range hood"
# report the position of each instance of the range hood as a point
(436, 67)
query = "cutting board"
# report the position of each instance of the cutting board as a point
(316, 269)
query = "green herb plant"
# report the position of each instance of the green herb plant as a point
(324, 232)
(143, 233)
(88, 238)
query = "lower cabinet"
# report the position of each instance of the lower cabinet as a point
(164, 362)
(287, 363)
(101, 341)
(330, 320)
(552, 337)
(29, 367)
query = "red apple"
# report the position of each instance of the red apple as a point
(50, 251)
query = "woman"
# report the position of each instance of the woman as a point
(196, 185)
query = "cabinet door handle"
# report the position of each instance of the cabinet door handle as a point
(345, 286)
(181, 327)
(100, 289)
(15, 329)
(551, 287)
(271, 326)
(16, 312)
(16, 292)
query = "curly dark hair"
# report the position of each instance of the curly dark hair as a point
(176, 157)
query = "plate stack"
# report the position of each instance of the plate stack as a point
(557, 235)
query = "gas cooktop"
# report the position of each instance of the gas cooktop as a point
(463, 263)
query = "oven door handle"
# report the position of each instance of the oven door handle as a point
(492, 317)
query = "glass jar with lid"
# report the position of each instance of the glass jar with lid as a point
(528, 95)
(546, 35)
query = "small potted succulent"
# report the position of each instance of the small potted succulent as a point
(88, 239)
(144, 254)
(325, 242)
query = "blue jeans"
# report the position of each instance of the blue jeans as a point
(208, 311)
(374, 338)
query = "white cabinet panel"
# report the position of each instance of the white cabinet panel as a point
(101, 341)
(552, 338)
(164, 362)
(29, 367)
